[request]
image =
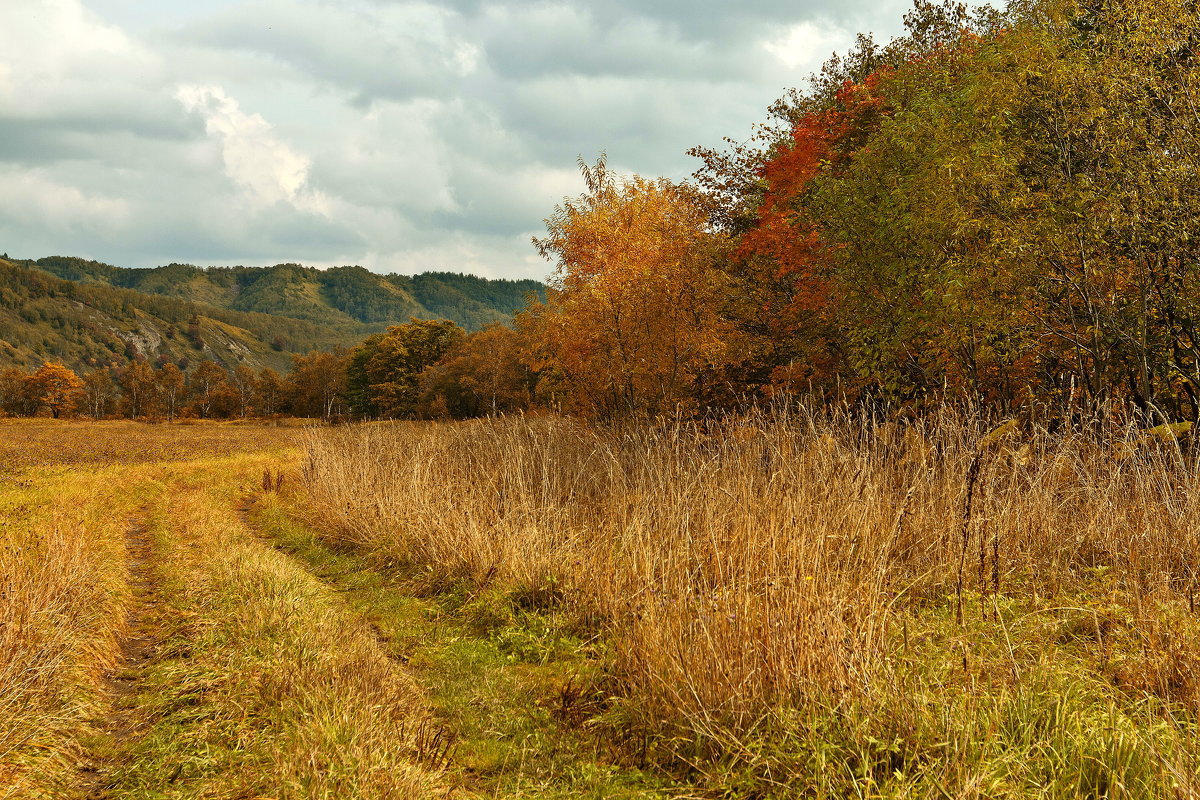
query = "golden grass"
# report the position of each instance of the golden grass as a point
(63, 594)
(265, 686)
(40, 442)
(268, 685)
(775, 573)
(777, 605)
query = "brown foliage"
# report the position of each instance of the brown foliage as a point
(484, 375)
(633, 319)
(55, 387)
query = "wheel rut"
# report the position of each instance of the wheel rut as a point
(245, 510)
(125, 721)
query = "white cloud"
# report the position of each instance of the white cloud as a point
(394, 155)
(806, 44)
(56, 56)
(509, 256)
(33, 198)
(465, 58)
(269, 170)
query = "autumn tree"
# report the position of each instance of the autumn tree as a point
(99, 393)
(383, 373)
(244, 383)
(54, 387)
(1110, 154)
(270, 391)
(786, 297)
(848, 206)
(932, 296)
(139, 390)
(14, 397)
(171, 387)
(633, 319)
(209, 388)
(485, 374)
(316, 384)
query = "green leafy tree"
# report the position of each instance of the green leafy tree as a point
(383, 373)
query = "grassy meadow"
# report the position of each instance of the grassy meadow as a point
(808, 605)
(785, 605)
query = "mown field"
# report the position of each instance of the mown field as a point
(793, 605)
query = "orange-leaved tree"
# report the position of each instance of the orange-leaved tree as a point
(633, 318)
(56, 387)
(790, 304)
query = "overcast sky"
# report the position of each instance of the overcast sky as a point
(399, 136)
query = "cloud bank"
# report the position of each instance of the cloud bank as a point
(397, 135)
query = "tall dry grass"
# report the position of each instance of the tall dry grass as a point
(62, 598)
(780, 559)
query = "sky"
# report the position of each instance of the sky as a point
(399, 136)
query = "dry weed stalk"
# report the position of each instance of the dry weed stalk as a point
(748, 565)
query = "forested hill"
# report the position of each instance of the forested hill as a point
(337, 296)
(88, 314)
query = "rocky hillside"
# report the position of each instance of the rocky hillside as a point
(338, 296)
(89, 314)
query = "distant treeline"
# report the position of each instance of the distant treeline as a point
(339, 296)
(88, 325)
(86, 314)
(422, 369)
(207, 391)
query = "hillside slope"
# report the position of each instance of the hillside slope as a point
(93, 324)
(87, 313)
(337, 296)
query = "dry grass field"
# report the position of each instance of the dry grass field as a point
(809, 605)
(27, 443)
(789, 605)
(152, 645)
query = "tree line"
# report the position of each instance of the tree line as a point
(207, 391)
(1000, 205)
(421, 369)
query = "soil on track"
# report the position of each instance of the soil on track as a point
(138, 644)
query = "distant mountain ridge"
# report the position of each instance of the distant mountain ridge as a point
(88, 314)
(338, 295)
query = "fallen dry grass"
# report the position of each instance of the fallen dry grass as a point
(788, 572)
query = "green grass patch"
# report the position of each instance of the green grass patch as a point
(507, 675)
(263, 685)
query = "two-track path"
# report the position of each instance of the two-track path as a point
(258, 659)
(125, 721)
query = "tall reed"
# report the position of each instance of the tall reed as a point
(778, 558)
